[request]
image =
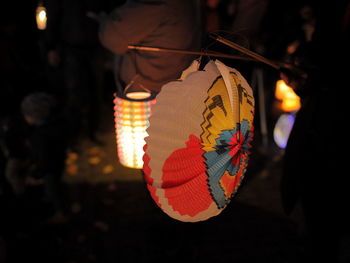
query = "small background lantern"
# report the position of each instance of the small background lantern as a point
(41, 17)
(288, 103)
(282, 129)
(289, 100)
(131, 114)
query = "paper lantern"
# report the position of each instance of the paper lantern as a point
(200, 136)
(281, 89)
(131, 114)
(282, 129)
(290, 100)
(41, 17)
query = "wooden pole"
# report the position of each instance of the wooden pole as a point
(190, 52)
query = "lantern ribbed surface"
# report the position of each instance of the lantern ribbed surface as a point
(200, 134)
(131, 122)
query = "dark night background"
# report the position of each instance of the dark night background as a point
(110, 214)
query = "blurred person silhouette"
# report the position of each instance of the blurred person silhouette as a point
(168, 24)
(13, 146)
(72, 46)
(247, 18)
(314, 162)
(20, 74)
(35, 146)
(242, 19)
(212, 16)
(47, 145)
(239, 21)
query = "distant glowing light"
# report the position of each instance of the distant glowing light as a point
(282, 129)
(281, 89)
(290, 100)
(41, 17)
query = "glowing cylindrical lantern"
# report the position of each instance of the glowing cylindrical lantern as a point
(41, 17)
(131, 115)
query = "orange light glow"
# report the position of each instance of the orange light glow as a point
(41, 17)
(281, 89)
(138, 95)
(131, 122)
(290, 100)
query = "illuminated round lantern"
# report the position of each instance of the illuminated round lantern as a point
(199, 141)
(131, 115)
(41, 17)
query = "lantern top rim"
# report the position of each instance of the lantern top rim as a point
(140, 96)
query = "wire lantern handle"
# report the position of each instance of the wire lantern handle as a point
(245, 51)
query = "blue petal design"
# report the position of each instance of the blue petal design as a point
(219, 161)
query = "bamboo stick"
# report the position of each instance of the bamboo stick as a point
(247, 52)
(190, 52)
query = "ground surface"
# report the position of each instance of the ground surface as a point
(113, 218)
